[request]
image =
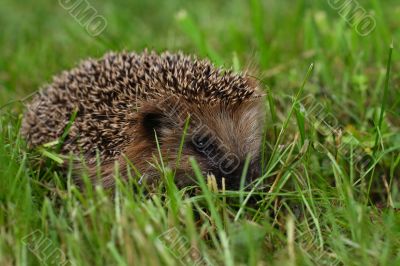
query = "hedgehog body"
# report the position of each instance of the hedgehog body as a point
(125, 102)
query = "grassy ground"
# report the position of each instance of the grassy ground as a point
(335, 190)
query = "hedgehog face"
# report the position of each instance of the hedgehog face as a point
(219, 136)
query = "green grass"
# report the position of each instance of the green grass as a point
(322, 207)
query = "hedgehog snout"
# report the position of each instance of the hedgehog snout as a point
(233, 180)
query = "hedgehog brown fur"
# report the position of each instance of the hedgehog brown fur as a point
(125, 100)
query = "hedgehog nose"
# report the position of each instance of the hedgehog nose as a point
(253, 172)
(235, 178)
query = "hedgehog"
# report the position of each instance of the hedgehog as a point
(136, 109)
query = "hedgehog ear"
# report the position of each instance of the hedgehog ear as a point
(152, 123)
(155, 122)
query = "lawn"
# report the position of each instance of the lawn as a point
(332, 135)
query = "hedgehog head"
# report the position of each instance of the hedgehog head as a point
(219, 134)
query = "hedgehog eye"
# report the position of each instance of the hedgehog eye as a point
(204, 144)
(200, 142)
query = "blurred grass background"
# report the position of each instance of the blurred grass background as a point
(40, 38)
(342, 221)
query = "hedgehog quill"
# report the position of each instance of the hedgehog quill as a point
(127, 102)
